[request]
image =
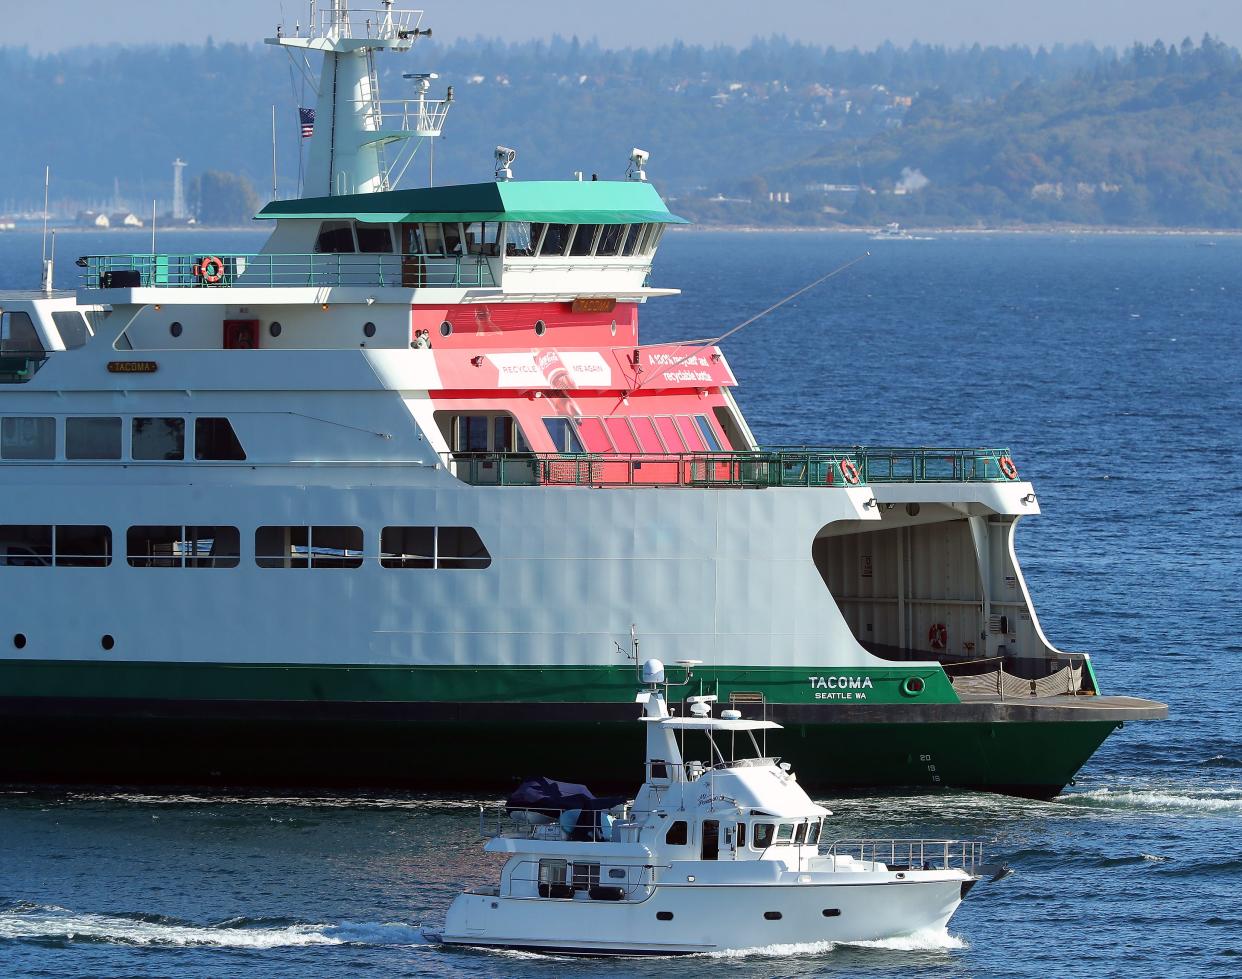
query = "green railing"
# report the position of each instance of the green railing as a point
(927, 464)
(744, 470)
(284, 270)
(784, 466)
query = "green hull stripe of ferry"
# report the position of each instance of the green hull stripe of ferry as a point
(494, 684)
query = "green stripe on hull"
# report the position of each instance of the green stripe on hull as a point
(362, 684)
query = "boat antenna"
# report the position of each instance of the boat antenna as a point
(47, 265)
(758, 316)
(153, 230)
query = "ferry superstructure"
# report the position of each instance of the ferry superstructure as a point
(277, 517)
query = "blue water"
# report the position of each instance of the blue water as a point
(1110, 365)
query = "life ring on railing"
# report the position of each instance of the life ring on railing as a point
(849, 471)
(211, 269)
(938, 636)
(1007, 468)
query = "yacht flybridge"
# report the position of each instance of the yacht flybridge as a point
(279, 516)
(714, 854)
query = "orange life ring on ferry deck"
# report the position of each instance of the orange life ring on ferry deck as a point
(1007, 467)
(938, 635)
(849, 471)
(211, 269)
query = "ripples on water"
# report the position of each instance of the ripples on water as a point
(1108, 364)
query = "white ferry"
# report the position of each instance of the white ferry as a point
(719, 852)
(406, 471)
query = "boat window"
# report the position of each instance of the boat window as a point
(668, 432)
(215, 440)
(647, 437)
(631, 239)
(812, 833)
(373, 239)
(28, 438)
(507, 435)
(741, 835)
(481, 237)
(772, 916)
(678, 833)
(555, 239)
(584, 238)
(18, 334)
(161, 439)
(785, 833)
(610, 239)
(183, 547)
(764, 835)
(433, 239)
(26, 546)
(408, 547)
(711, 839)
(616, 873)
(301, 547)
(453, 240)
(553, 871)
(335, 238)
(729, 425)
(586, 876)
(521, 237)
(461, 547)
(651, 240)
(664, 916)
(92, 438)
(799, 834)
(564, 438)
(73, 328)
(470, 433)
(594, 436)
(705, 429)
(83, 546)
(622, 435)
(690, 434)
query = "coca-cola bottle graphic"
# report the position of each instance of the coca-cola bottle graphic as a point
(549, 363)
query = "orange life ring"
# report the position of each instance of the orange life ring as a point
(211, 269)
(938, 635)
(849, 471)
(1007, 468)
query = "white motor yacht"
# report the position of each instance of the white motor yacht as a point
(722, 851)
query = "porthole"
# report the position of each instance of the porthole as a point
(664, 916)
(19, 641)
(175, 329)
(446, 328)
(540, 328)
(772, 916)
(368, 329)
(913, 509)
(831, 912)
(274, 329)
(107, 642)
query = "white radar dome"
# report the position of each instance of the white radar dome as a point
(653, 671)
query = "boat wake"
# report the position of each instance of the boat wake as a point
(51, 925)
(929, 940)
(1228, 800)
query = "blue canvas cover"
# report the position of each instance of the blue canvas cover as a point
(550, 797)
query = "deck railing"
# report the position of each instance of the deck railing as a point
(964, 855)
(406, 271)
(926, 464)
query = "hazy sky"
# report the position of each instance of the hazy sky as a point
(844, 23)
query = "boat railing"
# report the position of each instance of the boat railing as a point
(634, 886)
(285, 270)
(373, 24)
(896, 854)
(420, 116)
(711, 470)
(548, 824)
(925, 464)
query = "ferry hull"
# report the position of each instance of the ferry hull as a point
(344, 745)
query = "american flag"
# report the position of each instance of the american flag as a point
(307, 118)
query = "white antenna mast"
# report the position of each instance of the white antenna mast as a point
(47, 262)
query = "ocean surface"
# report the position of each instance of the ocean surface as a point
(1109, 364)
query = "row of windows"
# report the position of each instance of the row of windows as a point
(763, 835)
(184, 546)
(150, 439)
(514, 238)
(634, 433)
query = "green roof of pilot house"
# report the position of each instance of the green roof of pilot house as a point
(553, 201)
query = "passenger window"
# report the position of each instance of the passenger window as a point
(678, 833)
(764, 836)
(26, 546)
(83, 546)
(611, 239)
(584, 239)
(690, 434)
(622, 434)
(215, 441)
(301, 547)
(408, 547)
(555, 240)
(161, 439)
(785, 833)
(507, 435)
(373, 239)
(593, 435)
(461, 547)
(335, 238)
(471, 433)
(92, 438)
(647, 437)
(564, 438)
(668, 432)
(18, 334)
(183, 547)
(705, 429)
(28, 438)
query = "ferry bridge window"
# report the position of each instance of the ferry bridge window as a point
(521, 238)
(215, 441)
(668, 432)
(28, 438)
(158, 438)
(302, 547)
(594, 436)
(764, 835)
(373, 239)
(648, 440)
(453, 239)
(584, 239)
(690, 433)
(622, 434)
(18, 334)
(92, 438)
(83, 546)
(73, 328)
(610, 240)
(183, 547)
(631, 239)
(335, 238)
(564, 438)
(482, 237)
(709, 435)
(555, 240)
(26, 546)
(433, 239)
